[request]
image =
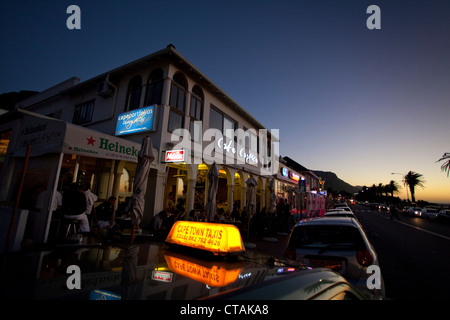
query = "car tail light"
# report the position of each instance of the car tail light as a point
(290, 253)
(364, 257)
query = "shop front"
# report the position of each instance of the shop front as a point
(49, 155)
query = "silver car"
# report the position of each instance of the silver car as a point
(337, 243)
(429, 213)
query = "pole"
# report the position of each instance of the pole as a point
(16, 205)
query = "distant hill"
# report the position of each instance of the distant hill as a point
(332, 181)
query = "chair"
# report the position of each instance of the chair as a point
(73, 227)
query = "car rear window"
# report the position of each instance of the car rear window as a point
(329, 237)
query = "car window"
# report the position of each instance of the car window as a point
(330, 237)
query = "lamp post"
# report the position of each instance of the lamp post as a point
(407, 194)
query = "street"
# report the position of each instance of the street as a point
(413, 253)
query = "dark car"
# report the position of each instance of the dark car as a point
(164, 271)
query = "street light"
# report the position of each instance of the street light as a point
(407, 194)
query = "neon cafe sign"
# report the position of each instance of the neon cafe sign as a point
(289, 174)
(230, 148)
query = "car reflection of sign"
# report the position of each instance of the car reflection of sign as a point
(215, 274)
(134, 121)
(162, 276)
(174, 156)
(103, 295)
(220, 239)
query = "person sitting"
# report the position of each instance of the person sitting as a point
(104, 214)
(158, 226)
(193, 216)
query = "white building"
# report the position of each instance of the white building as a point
(85, 138)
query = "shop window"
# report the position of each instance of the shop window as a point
(177, 102)
(154, 88)
(196, 113)
(134, 93)
(83, 112)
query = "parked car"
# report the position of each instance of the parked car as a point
(339, 213)
(342, 209)
(429, 213)
(337, 243)
(414, 211)
(444, 215)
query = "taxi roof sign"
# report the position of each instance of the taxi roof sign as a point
(220, 239)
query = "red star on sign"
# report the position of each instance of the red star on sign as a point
(90, 140)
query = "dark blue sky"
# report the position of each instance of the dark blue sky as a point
(361, 103)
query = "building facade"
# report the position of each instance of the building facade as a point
(101, 122)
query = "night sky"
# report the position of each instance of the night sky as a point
(361, 103)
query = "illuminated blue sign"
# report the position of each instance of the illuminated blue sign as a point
(135, 121)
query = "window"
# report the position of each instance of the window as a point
(218, 120)
(251, 140)
(177, 102)
(154, 88)
(196, 113)
(134, 93)
(83, 112)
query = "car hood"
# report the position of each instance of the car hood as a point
(147, 271)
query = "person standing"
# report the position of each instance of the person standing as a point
(394, 212)
(74, 206)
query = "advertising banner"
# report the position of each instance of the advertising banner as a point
(135, 121)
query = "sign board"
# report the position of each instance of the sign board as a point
(135, 121)
(220, 239)
(174, 156)
(47, 135)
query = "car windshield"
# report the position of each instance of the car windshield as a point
(330, 237)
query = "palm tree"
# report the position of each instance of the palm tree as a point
(411, 180)
(392, 188)
(446, 165)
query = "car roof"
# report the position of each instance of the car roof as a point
(344, 221)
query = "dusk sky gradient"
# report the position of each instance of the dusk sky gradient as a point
(361, 103)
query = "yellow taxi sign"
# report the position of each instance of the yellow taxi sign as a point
(220, 239)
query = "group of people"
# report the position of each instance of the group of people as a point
(77, 203)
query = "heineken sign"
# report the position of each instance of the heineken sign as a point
(46, 135)
(135, 121)
(83, 141)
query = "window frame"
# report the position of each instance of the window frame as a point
(83, 112)
(175, 89)
(154, 85)
(134, 93)
(196, 111)
(224, 116)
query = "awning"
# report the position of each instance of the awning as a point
(48, 135)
